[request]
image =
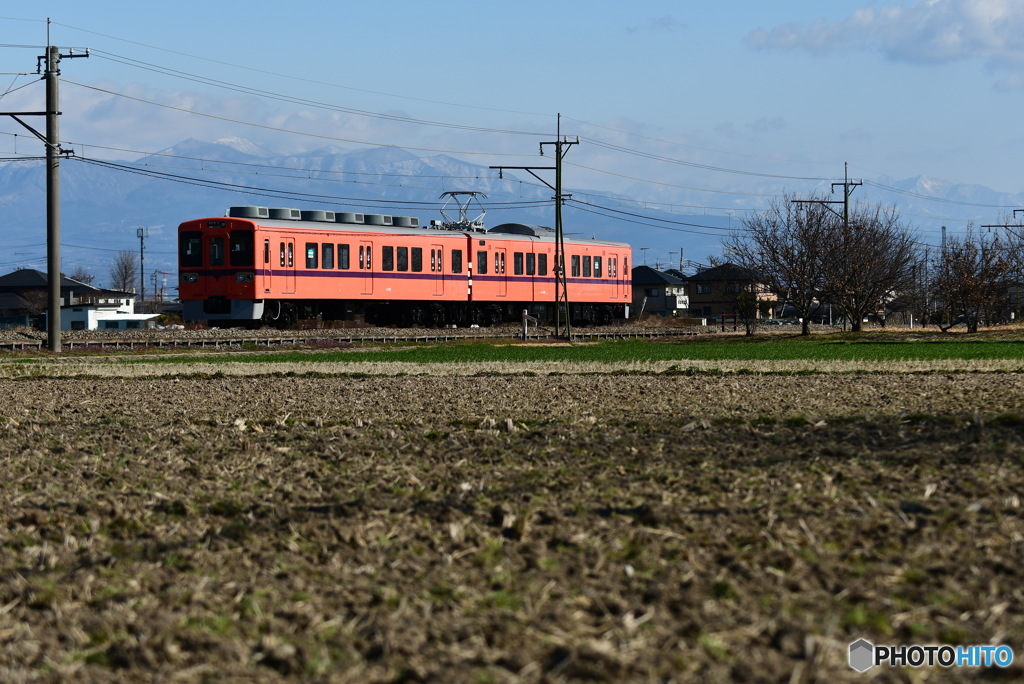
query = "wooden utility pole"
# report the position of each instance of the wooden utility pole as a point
(561, 281)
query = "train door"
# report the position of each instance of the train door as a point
(437, 269)
(366, 266)
(286, 261)
(499, 271)
(215, 262)
(622, 269)
(268, 267)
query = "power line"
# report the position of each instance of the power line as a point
(704, 167)
(301, 101)
(264, 72)
(285, 130)
(645, 220)
(937, 199)
(280, 194)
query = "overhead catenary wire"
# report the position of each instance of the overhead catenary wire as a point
(285, 194)
(303, 101)
(278, 129)
(265, 72)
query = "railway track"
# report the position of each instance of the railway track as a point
(305, 338)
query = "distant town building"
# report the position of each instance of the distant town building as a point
(657, 292)
(24, 296)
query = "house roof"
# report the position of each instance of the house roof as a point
(645, 275)
(726, 271)
(25, 278)
(30, 278)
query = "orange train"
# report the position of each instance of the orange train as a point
(260, 266)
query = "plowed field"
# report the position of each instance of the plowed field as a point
(650, 527)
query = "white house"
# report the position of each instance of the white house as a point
(108, 311)
(82, 306)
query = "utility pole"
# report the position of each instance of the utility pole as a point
(561, 283)
(848, 188)
(54, 151)
(142, 233)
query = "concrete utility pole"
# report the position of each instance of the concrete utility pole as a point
(142, 233)
(561, 283)
(52, 59)
(848, 188)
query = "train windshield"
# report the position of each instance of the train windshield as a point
(190, 249)
(241, 248)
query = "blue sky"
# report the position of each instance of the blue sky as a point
(767, 93)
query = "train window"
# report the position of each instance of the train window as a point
(611, 267)
(369, 257)
(327, 255)
(531, 264)
(433, 260)
(311, 248)
(456, 261)
(586, 267)
(282, 254)
(575, 265)
(266, 251)
(291, 254)
(481, 262)
(360, 256)
(403, 258)
(517, 263)
(190, 249)
(542, 264)
(343, 257)
(241, 248)
(387, 260)
(216, 251)
(597, 267)
(417, 258)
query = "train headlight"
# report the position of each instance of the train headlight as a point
(245, 277)
(190, 277)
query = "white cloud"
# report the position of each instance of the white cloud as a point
(919, 31)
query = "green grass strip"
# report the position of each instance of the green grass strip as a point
(619, 351)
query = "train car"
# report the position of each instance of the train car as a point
(261, 266)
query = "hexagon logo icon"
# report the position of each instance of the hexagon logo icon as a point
(862, 655)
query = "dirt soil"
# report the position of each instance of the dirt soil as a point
(651, 528)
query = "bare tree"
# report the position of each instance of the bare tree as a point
(82, 275)
(786, 247)
(869, 261)
(124, 271)
(972, 278)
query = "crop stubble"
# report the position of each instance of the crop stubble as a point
(560, 528)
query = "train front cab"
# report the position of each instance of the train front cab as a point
(217, 274)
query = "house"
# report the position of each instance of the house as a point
(24, 297)
(657, 292)
(717, 291)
